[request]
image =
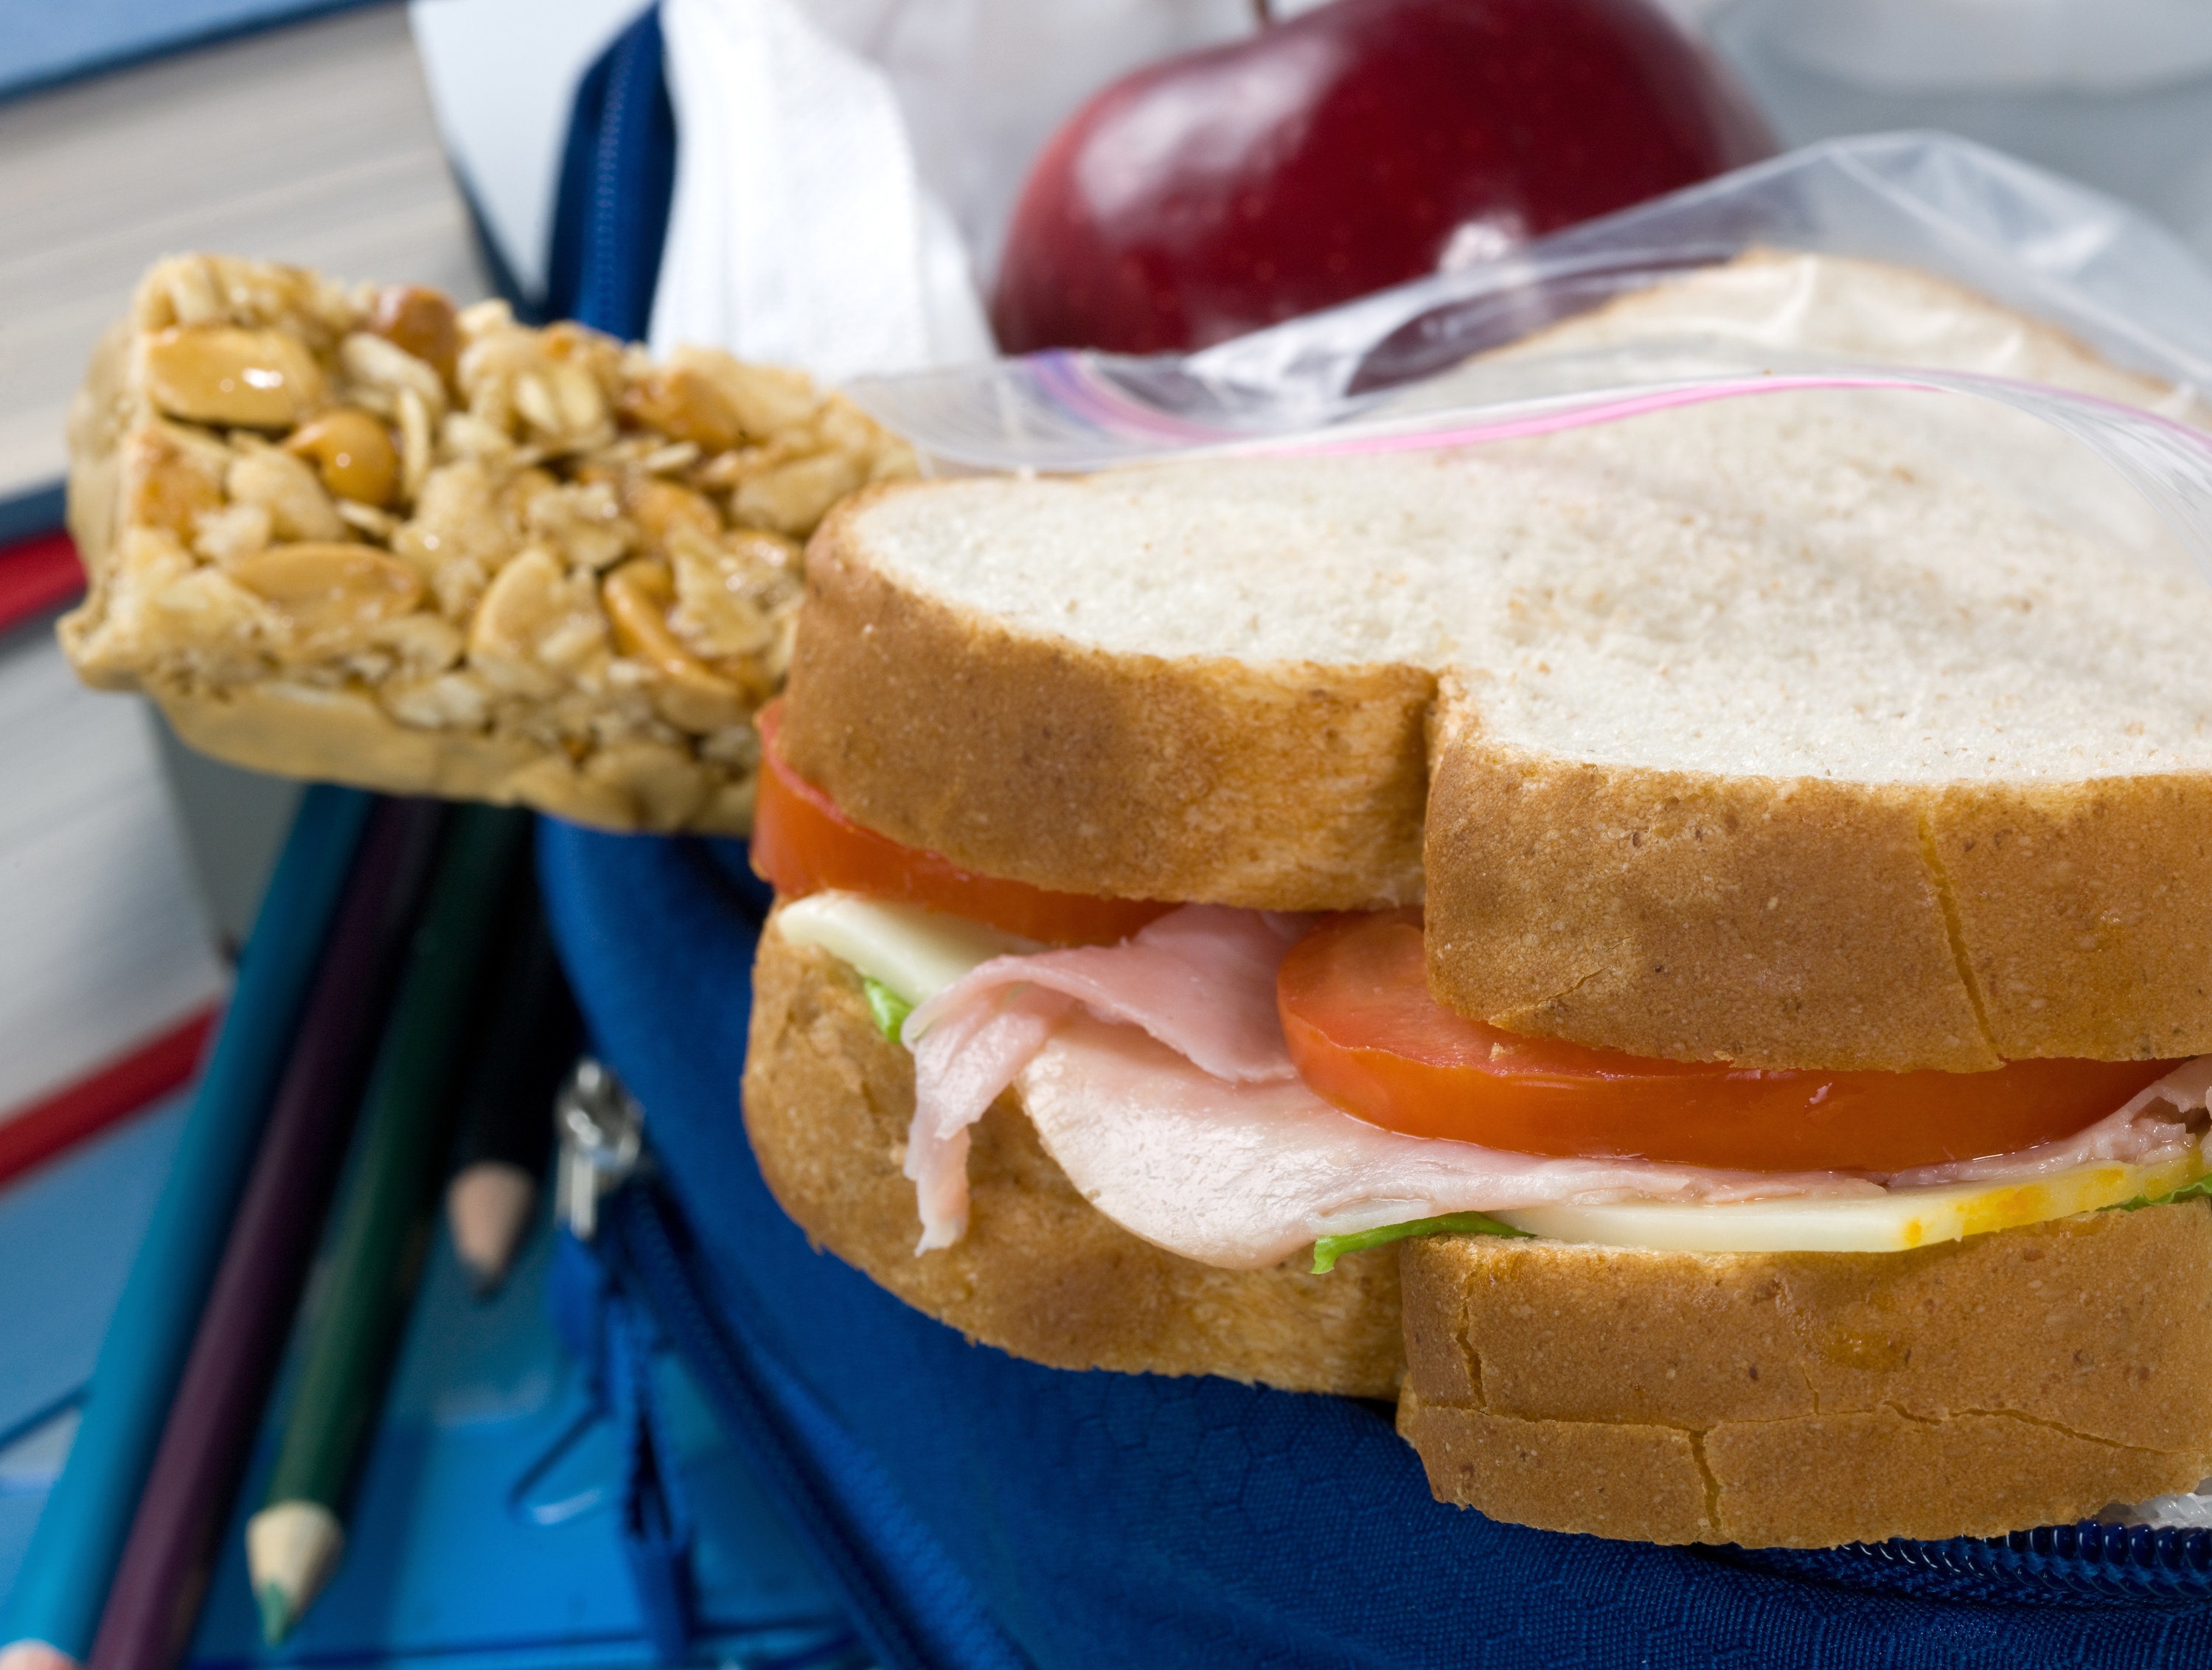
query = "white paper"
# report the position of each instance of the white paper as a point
(846, 169)
(801, 233)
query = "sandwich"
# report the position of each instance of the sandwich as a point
(1672, 950)
(361, 534)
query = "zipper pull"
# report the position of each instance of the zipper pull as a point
(602, 1132)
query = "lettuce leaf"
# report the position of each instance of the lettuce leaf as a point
(888, 1008)
(1331, 1247)
(2202, 1186)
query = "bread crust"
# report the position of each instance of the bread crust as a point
(1688, 915)
(1775, 922)
(1803, 922)
(1797, 1399)
(1803, 1399)
(1285, 785)
(1040, 1273)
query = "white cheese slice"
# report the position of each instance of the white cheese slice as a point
(917, 953)
(1887, 1223)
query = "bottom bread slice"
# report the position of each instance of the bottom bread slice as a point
(1040, 1272)
(1805, 1400)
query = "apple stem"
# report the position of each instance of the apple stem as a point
(1264, 12)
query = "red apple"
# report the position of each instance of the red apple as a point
(1364, 143)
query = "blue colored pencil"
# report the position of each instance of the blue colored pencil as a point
(54, 1605)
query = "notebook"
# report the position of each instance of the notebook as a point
(106, 951)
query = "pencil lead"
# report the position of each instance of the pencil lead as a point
(275, 1614)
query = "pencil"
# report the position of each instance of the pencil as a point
(208, 1436)
(530, 1037)
(383, 1220)
(53, 1607)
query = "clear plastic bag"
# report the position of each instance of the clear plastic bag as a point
(1368, 376)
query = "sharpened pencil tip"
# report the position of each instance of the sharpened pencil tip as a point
(488, 1207)
(34, 1656)
(291, 1550)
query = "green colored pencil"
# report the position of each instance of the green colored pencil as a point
(383, 1223)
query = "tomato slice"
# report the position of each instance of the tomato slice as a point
(1367, 1036)
(803, 844)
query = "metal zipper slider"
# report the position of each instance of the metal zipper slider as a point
(602, 1131)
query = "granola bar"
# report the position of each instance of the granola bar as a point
(355, 533)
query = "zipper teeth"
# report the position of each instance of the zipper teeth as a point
(2053, 1564)
(603, 242)
(2087, 1562)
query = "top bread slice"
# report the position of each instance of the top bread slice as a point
(1848, 729)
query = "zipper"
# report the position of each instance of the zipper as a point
(2087, 1564)
(602, 1131)
(613, 292)
(784, 1436)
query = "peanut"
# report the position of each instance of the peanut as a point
(585, 521)
(235, 531)
(420, 321)
(562, 401)
(689, 694)
(171, 478)
(194, 296)
(684, 404)
(730, 594)
(794, 499)
(445, 512)
(331, 597)
(457, 531)
(352, 452)
(535, 628)
(415, 442)
(218, 373)
(766, 400)
(660, 508)
(384, 372)
(287, 488)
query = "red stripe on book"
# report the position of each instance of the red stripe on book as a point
(108, 1094)
(37, 575)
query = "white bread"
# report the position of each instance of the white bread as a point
(1827, 729)
(1728, 736)
(1836, 304)
(1802, 1399)
(1040, 1273)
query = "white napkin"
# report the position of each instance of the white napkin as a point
(846, 169)
(801, 233)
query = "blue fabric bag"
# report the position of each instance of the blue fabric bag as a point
(976, 1511)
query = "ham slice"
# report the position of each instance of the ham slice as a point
(1157, 1076)
(1244, 1176)
(2154, 1125)
(1200, 980)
